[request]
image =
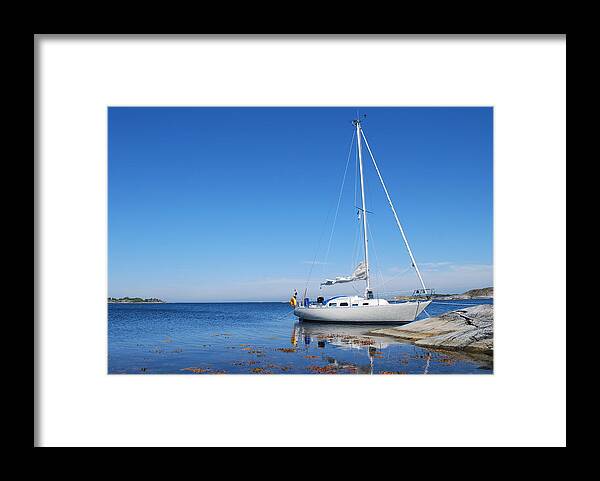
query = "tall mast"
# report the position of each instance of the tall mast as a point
(364, 207)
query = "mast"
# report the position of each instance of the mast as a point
(364, 207)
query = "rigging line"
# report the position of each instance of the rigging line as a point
(376, 257)
(324, 226)
(315, 258)
(339, 198)
(354, 257)
(399, 291)
(398, 275)
(356, 179)
(323, 229)
(412, 258)
(358, 234)
(357, 240)
(318, 247)
(355, 289)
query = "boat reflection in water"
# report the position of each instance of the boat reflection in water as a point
(344, 336)
(351, 336)
(349, 348)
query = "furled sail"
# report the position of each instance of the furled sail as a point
(359, 274)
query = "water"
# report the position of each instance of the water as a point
(244, 338)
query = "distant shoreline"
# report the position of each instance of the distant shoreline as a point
(440, 298)
(134, 300)
(137, 302)
(474, 294)
(483, 293)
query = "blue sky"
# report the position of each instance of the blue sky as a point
(232, 204)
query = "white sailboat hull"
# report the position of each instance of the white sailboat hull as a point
(394, 313)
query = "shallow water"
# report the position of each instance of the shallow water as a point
(245, 338)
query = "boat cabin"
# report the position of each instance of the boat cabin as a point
(350, 301)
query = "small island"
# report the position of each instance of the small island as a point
(134, 300)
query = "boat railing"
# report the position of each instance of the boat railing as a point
(407, 296)
(423, 293)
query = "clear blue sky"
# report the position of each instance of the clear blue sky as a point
(210, 204)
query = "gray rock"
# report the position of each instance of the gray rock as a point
(470, 329)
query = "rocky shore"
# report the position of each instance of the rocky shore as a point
(469, 330)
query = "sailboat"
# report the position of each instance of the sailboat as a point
(367, 308)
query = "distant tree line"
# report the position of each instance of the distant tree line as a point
(134, 299)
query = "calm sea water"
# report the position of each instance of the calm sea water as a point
(246, 338)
